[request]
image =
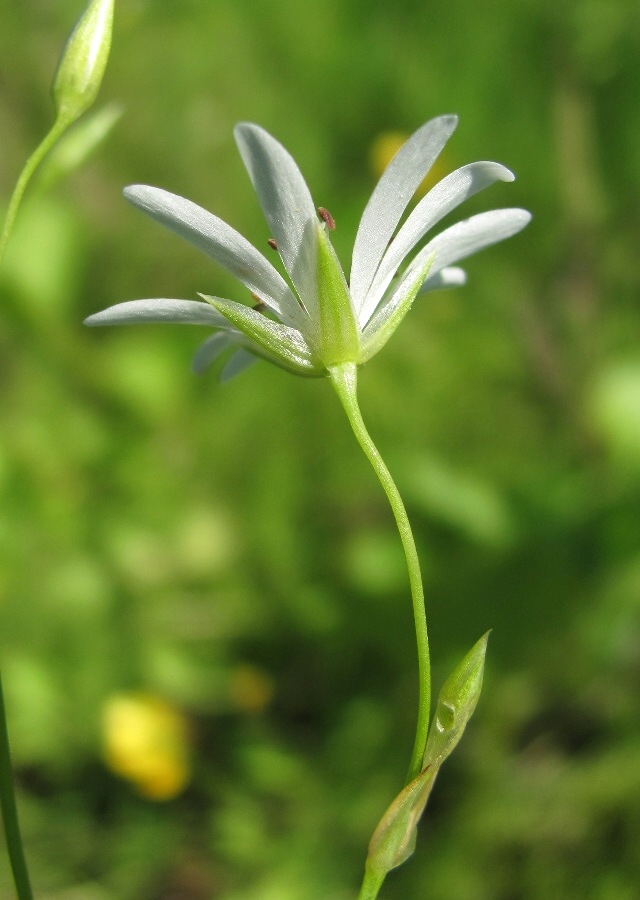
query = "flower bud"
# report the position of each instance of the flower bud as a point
(456, 703)
(83, 61)
(394, 839)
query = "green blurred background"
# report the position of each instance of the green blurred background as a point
(211, 571)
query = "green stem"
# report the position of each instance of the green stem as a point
(371, 885)
(344, 380)
(10, 812)
(25, 176)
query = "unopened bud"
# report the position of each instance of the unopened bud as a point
(456, 703)
(83, 61)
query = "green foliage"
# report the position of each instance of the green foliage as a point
(166, 534)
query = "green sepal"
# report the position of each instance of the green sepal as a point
(456, 703)
(338, 339)
(278, 343)
(386, 320)
(83, 61)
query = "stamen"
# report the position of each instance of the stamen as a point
(327, 218)
(272, 244)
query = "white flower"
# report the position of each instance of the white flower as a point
(315, 320)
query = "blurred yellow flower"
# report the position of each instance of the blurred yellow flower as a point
(146, 741)
(384, 148)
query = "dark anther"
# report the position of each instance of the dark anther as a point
(327, 218)
(272, 244)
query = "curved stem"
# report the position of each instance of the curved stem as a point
(371, 885)
(25, 176)
(10, 812)
(344, 380)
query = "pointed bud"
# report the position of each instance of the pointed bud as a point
(456, 703)
(394, 839)
(83, 61)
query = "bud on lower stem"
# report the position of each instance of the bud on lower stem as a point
(394, 839)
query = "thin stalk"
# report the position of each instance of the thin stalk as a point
(10, 812)
(344, 380)
(25, 176)
(371, 885)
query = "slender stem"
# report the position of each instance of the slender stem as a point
(25, 176)
(10, 812)
(371, 885)
(344, 380)
(7, 792)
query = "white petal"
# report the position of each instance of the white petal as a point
(450, 277)
(471, 235)
(441, 200)
(184, 312)
(223, 244)
(287, 205)
(390, 197)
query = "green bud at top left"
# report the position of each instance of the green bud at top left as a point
(83, 62)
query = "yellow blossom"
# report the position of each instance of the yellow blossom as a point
(146, 741)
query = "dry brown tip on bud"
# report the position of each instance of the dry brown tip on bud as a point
(327, 218)
(271, 242)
